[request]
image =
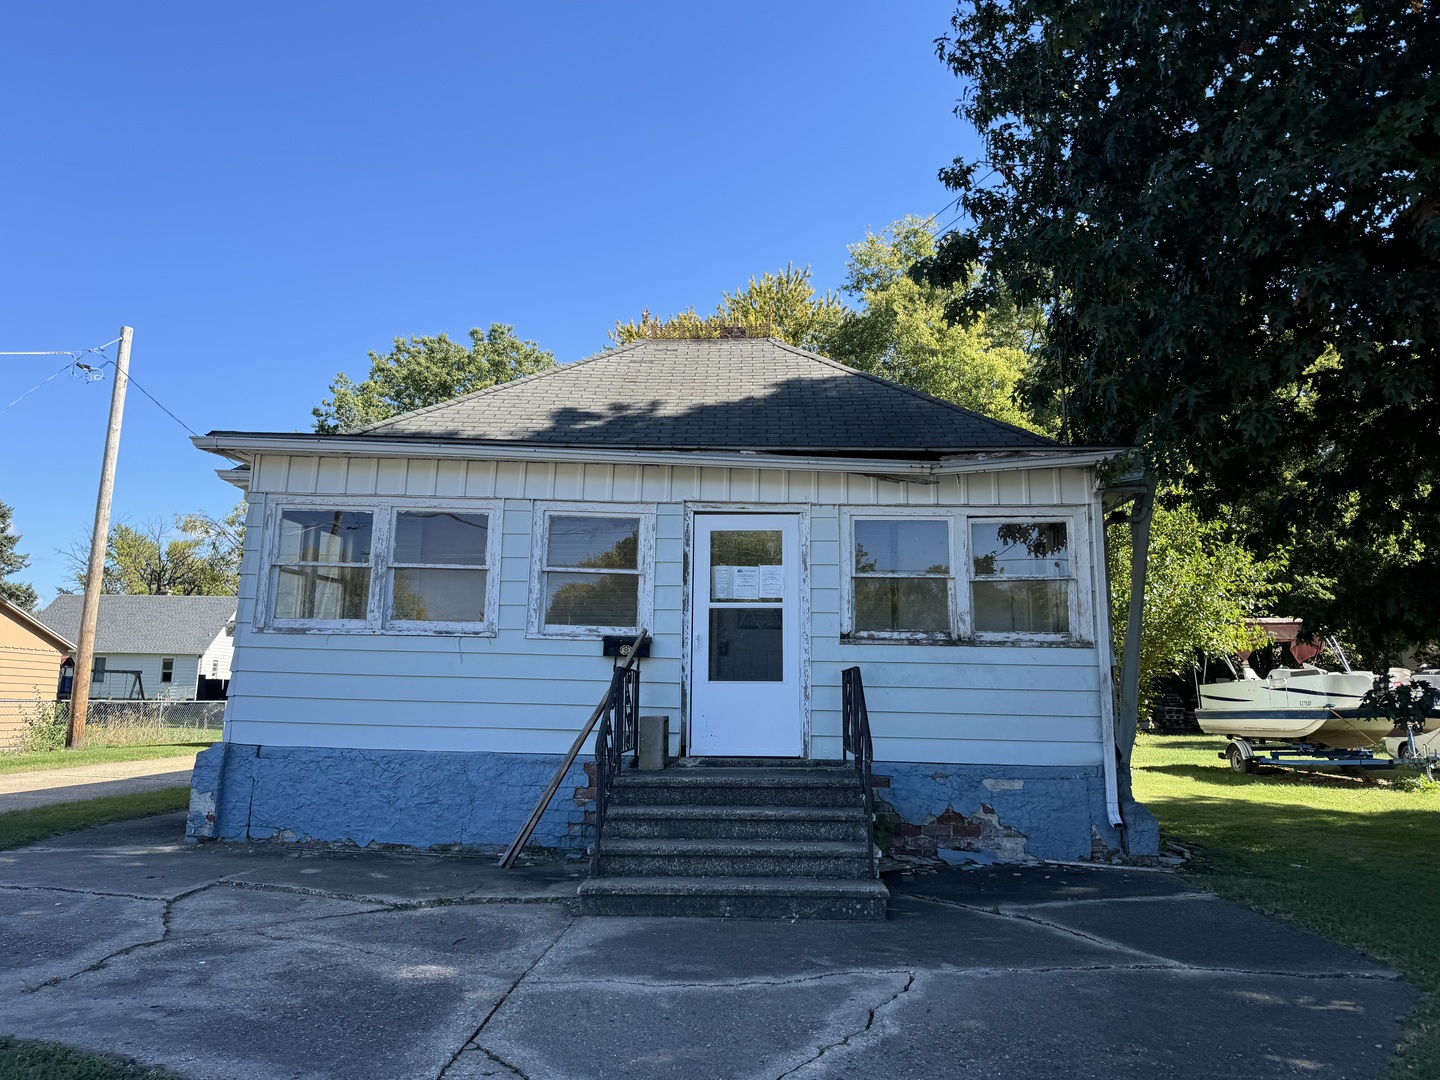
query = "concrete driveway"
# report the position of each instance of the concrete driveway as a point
(230, 962)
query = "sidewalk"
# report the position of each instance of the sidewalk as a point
(251, 962)
(27, 790)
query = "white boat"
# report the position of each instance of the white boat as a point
(1294, 705)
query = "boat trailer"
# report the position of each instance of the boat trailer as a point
(1246, 758)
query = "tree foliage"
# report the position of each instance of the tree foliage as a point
(11, 563)
(426, 371)
(1232, 215)
(783, 305)
(1200, 588)
(902, 333)
(151, 559)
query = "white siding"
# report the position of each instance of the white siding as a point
(180, 688)
(215, 664)
(990, 704)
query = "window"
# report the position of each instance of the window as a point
(1018, 579)
(901, 576)
(591, 573)
(322, 565)
(439, 567)
(1021, 577)
(167, 670)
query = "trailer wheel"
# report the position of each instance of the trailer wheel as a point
(1239, 761)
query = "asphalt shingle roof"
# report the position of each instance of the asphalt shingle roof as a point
(167, 625)
(728, 393)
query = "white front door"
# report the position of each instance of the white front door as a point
(745, 691)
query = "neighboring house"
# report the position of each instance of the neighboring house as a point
(423, 604)
(172, 647)
(30, 656)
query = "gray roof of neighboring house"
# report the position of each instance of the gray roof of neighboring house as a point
(691, 394)
(149, 625)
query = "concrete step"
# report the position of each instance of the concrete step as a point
(735, 898)
(737, 822)
(738, 787)
(732, 858)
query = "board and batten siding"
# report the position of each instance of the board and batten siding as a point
(982, 704)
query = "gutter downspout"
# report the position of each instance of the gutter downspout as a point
(1105, 649)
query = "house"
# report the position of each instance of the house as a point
(30, 655)
(172, 647)
(424, 605)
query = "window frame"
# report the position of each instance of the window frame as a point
(849, 518)
(543, 513)
(167, 669)
(1076, 520)
(377, 619)
(486, 627)
(1078, 615)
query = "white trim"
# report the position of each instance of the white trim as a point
(850, 514)
(382, 511)
(542, 512)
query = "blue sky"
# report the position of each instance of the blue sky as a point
(265, 192)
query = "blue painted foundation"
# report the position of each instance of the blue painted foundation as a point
(415, 798)
(425, 799)
(1009, 813)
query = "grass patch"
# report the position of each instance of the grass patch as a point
(21, 827)
(1352, 859)
(50, 1061)
(98, 755)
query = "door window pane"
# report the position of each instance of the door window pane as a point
(442, 537)
(591, 599)
(902, 547)
(902, 604)
(424, 594)
(1033, 606)
(747, 565)
(747, 645)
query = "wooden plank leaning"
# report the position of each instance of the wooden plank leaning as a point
(523, 837)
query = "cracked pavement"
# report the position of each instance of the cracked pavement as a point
(229, 961)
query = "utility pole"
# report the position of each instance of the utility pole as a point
(99, 537)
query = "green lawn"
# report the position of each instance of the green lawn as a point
(47, 1061)
(97, 755)
(21, 827)
(1355, 860)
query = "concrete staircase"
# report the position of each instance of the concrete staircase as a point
(736, 841)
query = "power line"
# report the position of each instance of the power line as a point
(68, 367)
(162, 408)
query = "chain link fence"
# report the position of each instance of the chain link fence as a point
(41, 725)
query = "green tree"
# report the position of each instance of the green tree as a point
(150, 559)
(1210, 201)
(12, 562)
(783, 305)
(902, 332)
(426, 371)
(1200, 588)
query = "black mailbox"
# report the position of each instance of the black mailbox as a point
(620, 644)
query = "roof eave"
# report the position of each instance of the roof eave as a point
(246, 446)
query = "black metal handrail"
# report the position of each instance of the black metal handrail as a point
(615, 737)
(856, 745)
(632, 657)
